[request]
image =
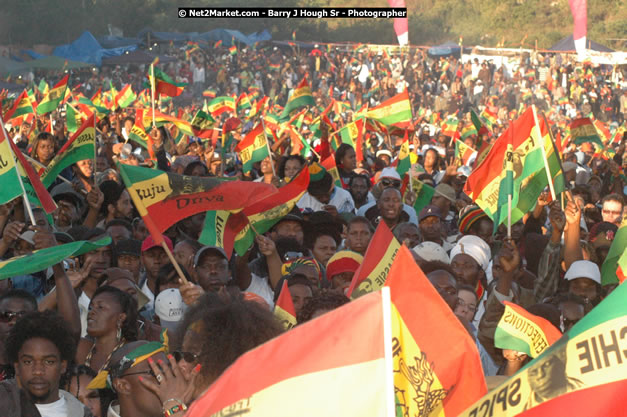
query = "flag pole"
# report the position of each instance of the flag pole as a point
(29, 209)
(95, 144)
(152, 93)
(546, 161)
(509, 216)
(263, 126)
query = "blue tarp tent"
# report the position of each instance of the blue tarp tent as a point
(447, 48)
(225, 35)
(568, 45)
(116, 41)
(87, 49)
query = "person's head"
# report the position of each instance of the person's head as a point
(321, 303)
(341, 268)
(389, 178)
(358, 234)
(185, 250)
(322, 188)
(128, 253)
(14, 304)
(300, 290)
(446, 285)
(390, 205)
(140, 232)
(119, 229)
(267, 165)
(470, 258)
(76, 380)
(358, 186)
(69, 206)
(112, 312)
(466, 302)
(474, 221)
(39, 346)
(196, 169)
(584, 280)
(100, 259)
(234, 327)
(547, 377)
(407, 233)
(123, 280)
(128, 365)
(44, 147)
(572, 308)
(612, 209)
(289, 226)
(345, 157)
(430, 224)
(117, 201)
(432, 159)
(443, 198)
(290, 166)
(212, 268)
(154, 256)
(85, 168)
(323, 246)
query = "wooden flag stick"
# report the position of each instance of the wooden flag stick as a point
(509, 216)
(176, 264)
(263, 126)
(546, 162)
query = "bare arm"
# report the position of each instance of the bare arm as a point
(572, 248)
(268, 249)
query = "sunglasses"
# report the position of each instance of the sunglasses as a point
(188, 357)
(390, 183)
(8, 316)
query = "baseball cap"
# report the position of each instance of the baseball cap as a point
(64, 191)
(431, 251)
(583, 269)
(128, 247)
(169, 307)
(383, 152)
(204, 249)
(445, 190)
(389, 172)
(569, 166)
(150, 243)
(429, 211)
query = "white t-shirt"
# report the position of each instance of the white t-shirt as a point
(261, 287)
(55, 409)
(340, 198)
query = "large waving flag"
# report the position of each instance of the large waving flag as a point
(394, 111)
(583, 130)
(253, 148)
(529, 172)
(524, 332)
(202, 124)
(284, 309)
(437, 370)
(615, 264)
(164, 85)
(81, 146)
(300, 97)
(221, 104)
(582, 374)
(52, 100)
(221, 228)
(21, 106)
(373, 271)
(334, 365)
(125, 97)
(164, 198)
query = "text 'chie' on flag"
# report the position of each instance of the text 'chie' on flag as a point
(164, 198)
(334, 365)
(81, 146)
(284, 309)
(524, 332)
(529, 174)
(253, 148)
(394, 111)
(373, 271)
(584, 373)
(436, 365)
(52, 100)
(300, 97)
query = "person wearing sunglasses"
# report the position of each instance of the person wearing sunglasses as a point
(388, 178)
(13, 305)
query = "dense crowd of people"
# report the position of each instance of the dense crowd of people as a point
(86, 336)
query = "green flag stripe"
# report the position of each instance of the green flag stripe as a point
(10, 186)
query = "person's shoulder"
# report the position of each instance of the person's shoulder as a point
(75, 408)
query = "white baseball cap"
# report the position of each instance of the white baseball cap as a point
(431, 251)
(583, 269)
(169, 307)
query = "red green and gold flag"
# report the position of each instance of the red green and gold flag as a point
(584, 373)
(81, 146)
(243, 102)
(164, 198)
(221, 104)
(253, 148)
(436, 365)
(524, 332)
(403, 163)
(394, 111)
(352, 377)
(52, 100)
(300, 97)
(233, 50)
(210, 93)
(529, 173)
(217, 44)
(274, 66)
(202, 124)
(9, 175)
(162, 119)
(138, 134)
(450, 126)
(125, 97)
(163, 84)
(583, 130)
(614, 266)
(352, 134)
(284, 310)
(218, 229)
(424, 193)
(21, 106)
(468, 130)
(478, 123)
(331, 167)
(463, 152)
(506, 186)
(373, 271)
(489, 117)
(267, 211)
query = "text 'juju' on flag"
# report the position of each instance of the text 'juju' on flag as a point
(164, 198)
(253, 148)
(584, 373)
(373, 271)
(528, 168)
(81, 146)
(522, 331)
